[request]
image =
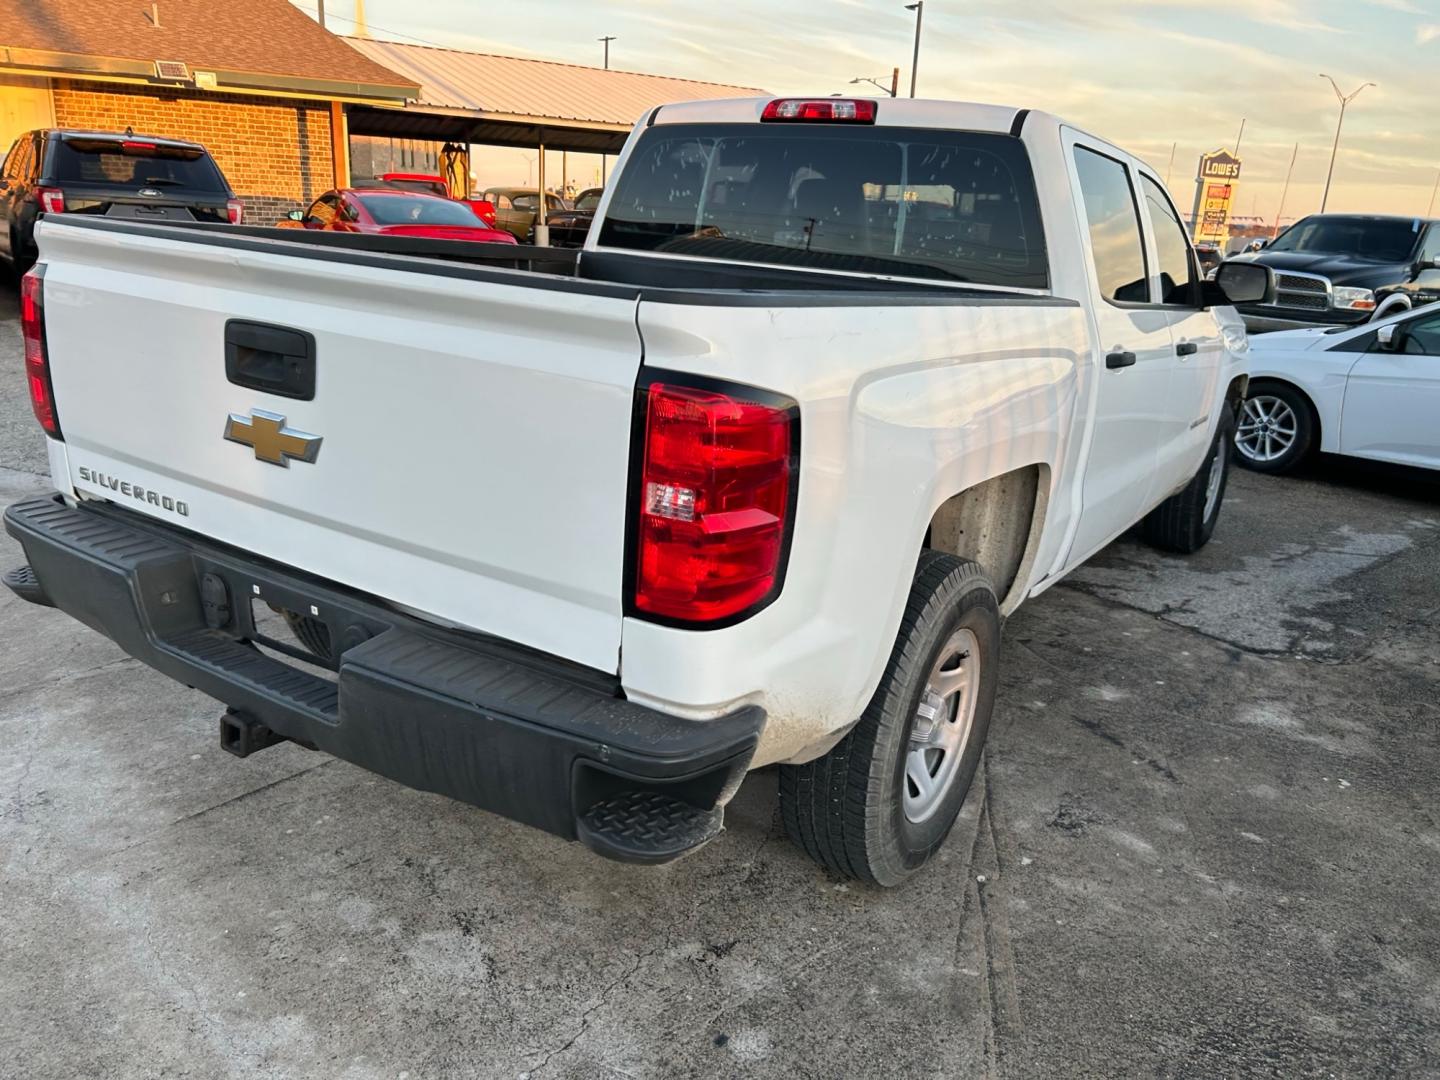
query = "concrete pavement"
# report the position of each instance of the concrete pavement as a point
(1205, 844)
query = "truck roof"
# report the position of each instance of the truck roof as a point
(889, 112)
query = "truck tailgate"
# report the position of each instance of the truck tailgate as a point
(474, 431)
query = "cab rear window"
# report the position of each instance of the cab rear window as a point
(133, 163)
(954, 206)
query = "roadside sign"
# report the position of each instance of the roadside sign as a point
(1215, 178)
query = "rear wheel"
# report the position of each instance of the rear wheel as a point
(879, 805)
(1277, 428)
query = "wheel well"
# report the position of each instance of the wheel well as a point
(995, 524)
(1392, 304)
(1260, 383)
(1235, 393)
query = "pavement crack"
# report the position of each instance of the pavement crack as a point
(249, 794)
(72, 676)
(603, 999)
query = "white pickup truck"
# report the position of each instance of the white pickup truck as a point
(581, 538)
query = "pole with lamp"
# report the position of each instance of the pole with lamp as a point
(1344, 103)
(892, 89)
(919, 9)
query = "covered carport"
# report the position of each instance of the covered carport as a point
(484, 99)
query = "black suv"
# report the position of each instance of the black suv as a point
(97, 172)
(1342, 269)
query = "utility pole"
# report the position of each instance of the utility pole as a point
(919, 9)
(606, 41)
(895, 82)
(1344, 101)
(1171, 167)
(1239, 136)
(1284, 192)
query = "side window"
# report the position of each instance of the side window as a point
(1431, 248)
(12, 158)
(1114, 220)
(323, 212)
(1177, 273)
(1422, 335)
(19, 163)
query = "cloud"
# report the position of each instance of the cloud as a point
(1426, 33)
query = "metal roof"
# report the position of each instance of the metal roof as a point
(491, 87)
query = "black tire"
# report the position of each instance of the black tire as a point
(846, 810)
(1186, 520)
(1307, 427)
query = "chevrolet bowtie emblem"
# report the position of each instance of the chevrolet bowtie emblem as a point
(266, 434)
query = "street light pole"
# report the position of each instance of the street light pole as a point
(877, 83)
(919, 9)
(1335, 149)
(1433, 192)
(607, 40)
(1285, 192)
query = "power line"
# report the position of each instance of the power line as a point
(372, 26)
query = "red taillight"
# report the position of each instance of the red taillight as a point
(715, 499)
(833, 110)
(52, 200)
(37, 361)
(235, 211)
(134, 146)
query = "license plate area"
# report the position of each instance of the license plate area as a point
(312, 626)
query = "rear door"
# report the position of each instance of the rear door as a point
(10, 191)
(1197, 359)
(1392, 398)
(1133, 345)
(470, 429)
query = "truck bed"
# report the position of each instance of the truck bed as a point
(627, 275)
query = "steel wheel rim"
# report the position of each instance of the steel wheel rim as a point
(940, 730)
(1214, 481)
(1268, 428)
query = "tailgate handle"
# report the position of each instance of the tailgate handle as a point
(272, 359)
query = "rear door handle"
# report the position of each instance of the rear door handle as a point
(1120, 359)
(1186, 348)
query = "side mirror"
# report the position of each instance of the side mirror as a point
(1240, 283)
(1390, 337)
(296, 215)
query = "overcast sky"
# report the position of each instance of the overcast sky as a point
(1142, 74)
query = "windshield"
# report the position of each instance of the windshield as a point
(588, 201)
(134, 163)
(418, 210)
(1380, 239)
(957, 206)
(424, 187)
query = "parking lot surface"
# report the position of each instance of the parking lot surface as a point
(1204, 843)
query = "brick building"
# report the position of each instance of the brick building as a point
(262, 85)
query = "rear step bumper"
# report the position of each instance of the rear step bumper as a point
(529, 736)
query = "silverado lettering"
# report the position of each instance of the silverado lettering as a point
(133, 491)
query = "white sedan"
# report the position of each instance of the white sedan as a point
(1371, 391)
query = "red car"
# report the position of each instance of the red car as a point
(397, 213)
(434, 185)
